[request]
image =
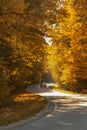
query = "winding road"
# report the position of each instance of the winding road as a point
(69, 112)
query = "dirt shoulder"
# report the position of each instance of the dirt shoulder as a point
(23, 106)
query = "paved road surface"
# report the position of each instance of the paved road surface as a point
(69, 113)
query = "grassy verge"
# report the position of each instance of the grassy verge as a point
(55, 87)
(24, 105)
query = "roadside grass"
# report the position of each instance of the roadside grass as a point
(23, 106)
(55, 87)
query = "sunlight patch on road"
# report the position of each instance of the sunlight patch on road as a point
(83, 104)
(56, 93)
(50, 115)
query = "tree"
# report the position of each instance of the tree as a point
(21, 44)
(69, 42)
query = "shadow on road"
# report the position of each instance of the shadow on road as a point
(70, 112)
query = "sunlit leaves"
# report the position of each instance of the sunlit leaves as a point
(22, 45)
(69, 68)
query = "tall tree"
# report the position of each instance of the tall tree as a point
(21, 43)
(70, 46)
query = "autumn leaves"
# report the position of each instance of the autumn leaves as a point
(68, 57)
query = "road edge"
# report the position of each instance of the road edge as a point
(49, 108)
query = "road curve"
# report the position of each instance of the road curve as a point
(69, 113)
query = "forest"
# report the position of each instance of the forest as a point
(24, 53)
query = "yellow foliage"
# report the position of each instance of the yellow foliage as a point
(68, 54)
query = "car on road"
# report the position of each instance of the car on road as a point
(43, 84)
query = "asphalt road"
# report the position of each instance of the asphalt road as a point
(69, 113)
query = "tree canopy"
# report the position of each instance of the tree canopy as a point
(69, 50)
(24, 53)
